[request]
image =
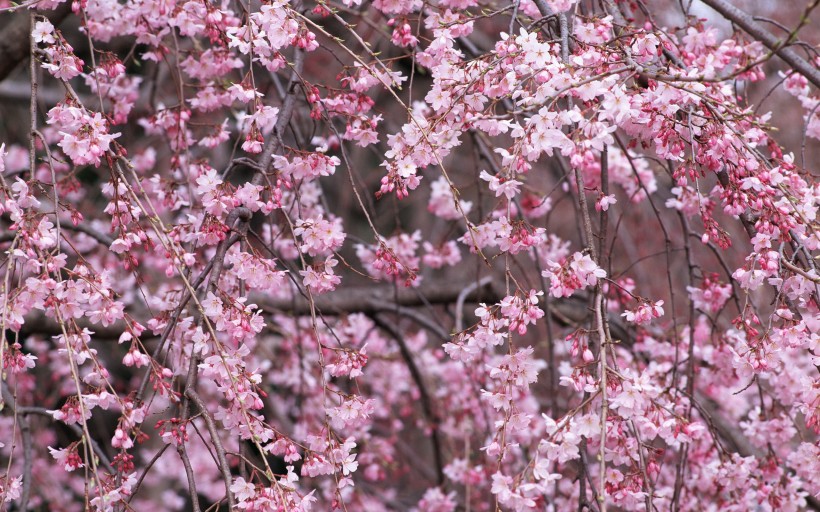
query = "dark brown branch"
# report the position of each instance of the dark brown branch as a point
(563, 28)
(690, 367)
(569, 312)
(28, 460)
(220, 450)
(424, 395)
(745, 21)
(142, 476)
(36, 322)
(371, 299)
(583, 479)
(189, 473)
(275, 141)
(88, 231)
(417, 317)
(239, 216)
(14, 37)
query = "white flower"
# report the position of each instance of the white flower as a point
(43, 32)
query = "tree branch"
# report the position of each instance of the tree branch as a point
(370, 299)
(424, 395)
(14, 37)
(42, 411)
(220, 450)
(745, 21)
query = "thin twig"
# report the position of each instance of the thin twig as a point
(220, 450)
(189, 473)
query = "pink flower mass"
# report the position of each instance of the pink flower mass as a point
(409, 255)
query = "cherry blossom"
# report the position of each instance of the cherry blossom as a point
(433, 256)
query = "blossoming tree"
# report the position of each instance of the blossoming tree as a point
(437, 255)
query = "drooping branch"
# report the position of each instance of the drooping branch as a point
(275, 141)
(42, 411)
(220, 450)
(189, 473)
(424, 394)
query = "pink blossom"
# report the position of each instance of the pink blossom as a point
(320, 236)
(603, 203)
(67, 457)
(574, 274)
(644, 313)
(340, 329)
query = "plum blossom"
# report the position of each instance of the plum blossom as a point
(443, 203)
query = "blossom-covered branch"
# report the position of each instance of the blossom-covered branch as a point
(409, 255)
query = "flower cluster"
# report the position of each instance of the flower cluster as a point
(573, 274)
(85, 136)
(62, 63)
(633, 324)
